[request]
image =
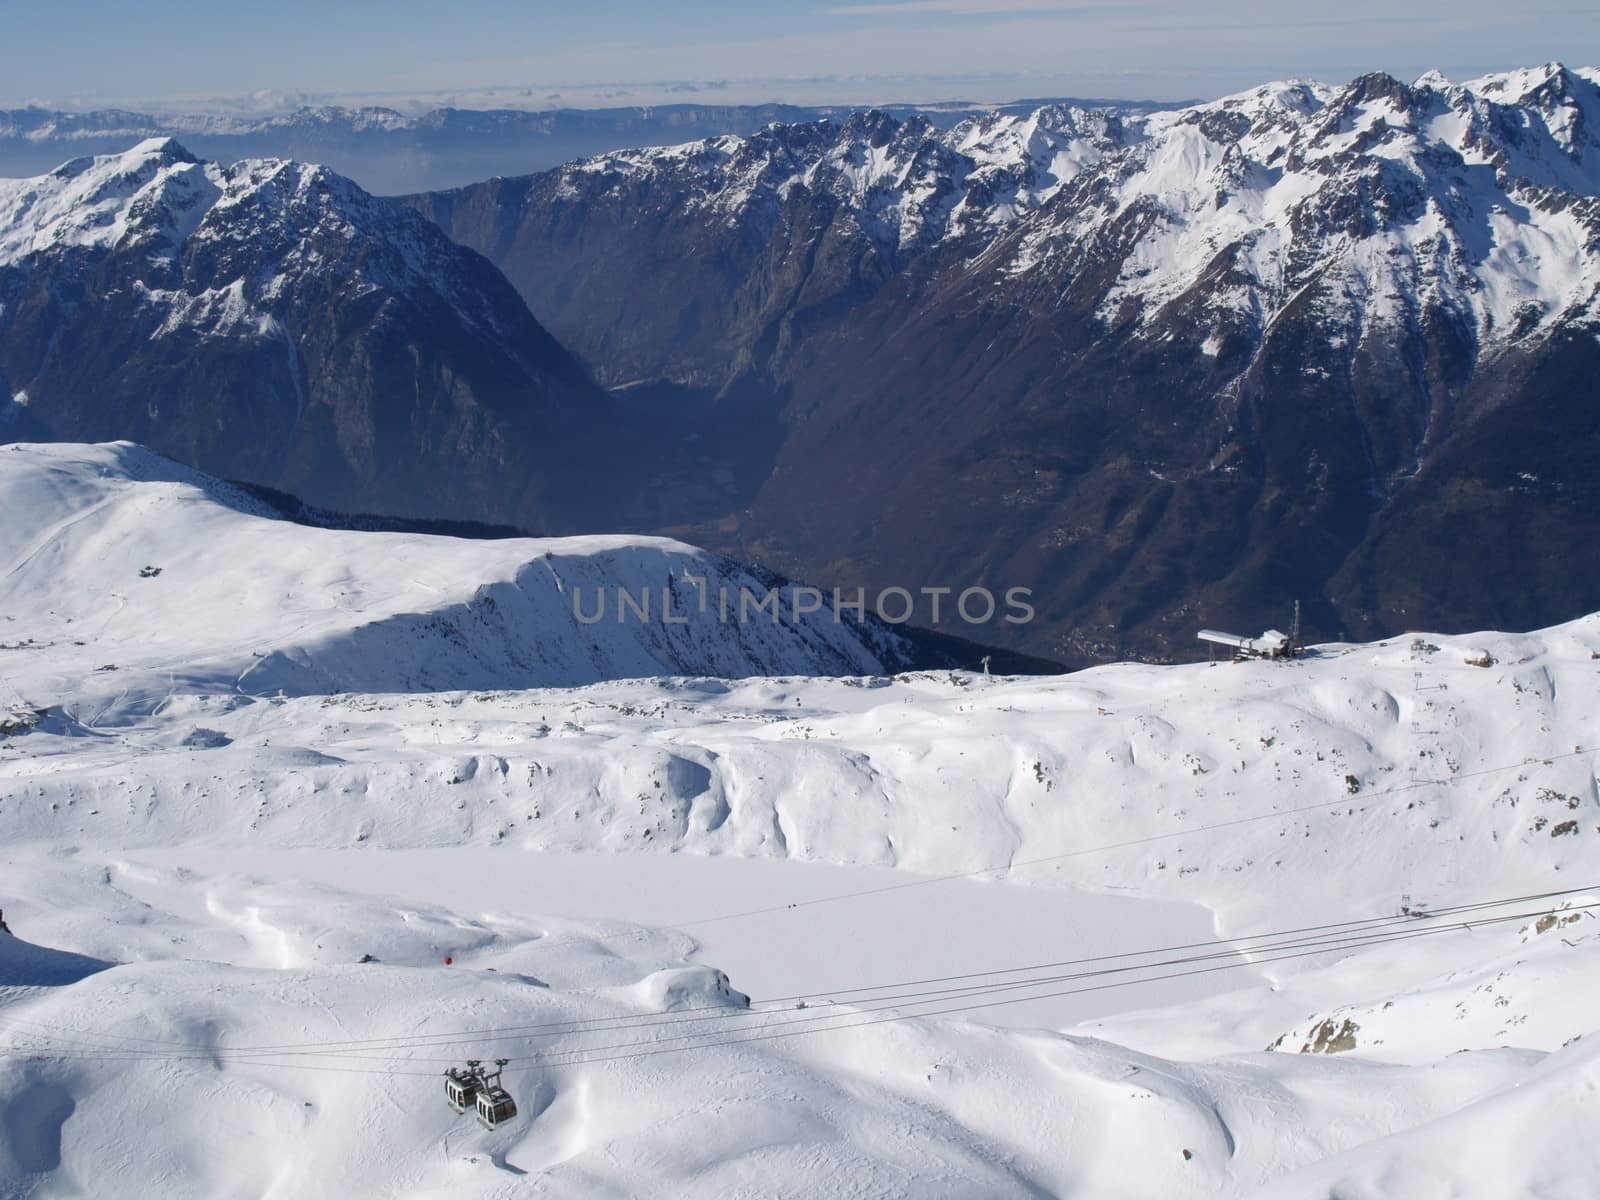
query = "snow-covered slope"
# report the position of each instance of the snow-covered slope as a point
(937, 1108)
(155, 197)
(1447, 1032)
(209, 999)
(909, 184)
(1478, 199)
(128, 578)
(390, 152)
(1296, 343)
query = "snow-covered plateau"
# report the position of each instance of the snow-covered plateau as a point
(746, 916)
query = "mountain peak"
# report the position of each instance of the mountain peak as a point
(166, 150)
(214, 290)
(1377, 86)
(1512, 87)
(157, 187)
(873, 124)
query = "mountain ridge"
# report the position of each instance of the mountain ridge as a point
(273, 322)
(1164, 369)
(1185, 376)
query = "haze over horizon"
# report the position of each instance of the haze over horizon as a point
(492, 53)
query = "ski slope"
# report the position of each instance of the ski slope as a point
(640, 876)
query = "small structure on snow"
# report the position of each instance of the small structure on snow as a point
(1271, 644)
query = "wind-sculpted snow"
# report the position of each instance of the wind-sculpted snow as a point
(929, 1108)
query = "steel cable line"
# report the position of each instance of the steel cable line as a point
(1104, 847)
(1248, 944)
(1283, 951)
(1226, 947)
(1013, 865)
(958, 1008)
(92, 1051)
(168, 1050)
(637, 934)
(785, 1029)
(645, 1019)
(1242, 944)
(1131, 842)
(1273, 954)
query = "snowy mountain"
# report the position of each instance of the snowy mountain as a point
(1162, 368)
(1301, 342)
(385, 150)
(780, 229)
(272, 322)
(232, 908)
(1473, 203)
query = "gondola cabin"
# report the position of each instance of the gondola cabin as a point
(460, 1089)
(473, 1087)
(495, 1107)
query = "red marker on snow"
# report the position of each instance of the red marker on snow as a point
(448, 960)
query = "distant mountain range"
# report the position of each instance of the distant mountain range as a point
(389, 152)
(1164, 368)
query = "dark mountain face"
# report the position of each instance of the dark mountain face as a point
(1136, 487)
(709, 262)
(1167, 370)
(273, 323)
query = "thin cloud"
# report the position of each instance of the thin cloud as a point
(963, 8)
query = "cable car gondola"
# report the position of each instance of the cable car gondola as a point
(495, 1108)
(473, 1087)
(461, 1086)
(495, 1105)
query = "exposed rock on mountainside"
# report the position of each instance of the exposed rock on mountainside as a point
(1162, 368)
(700, 262)
(272, 322)
(1326, 343)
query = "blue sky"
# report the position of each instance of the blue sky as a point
(75, 53)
